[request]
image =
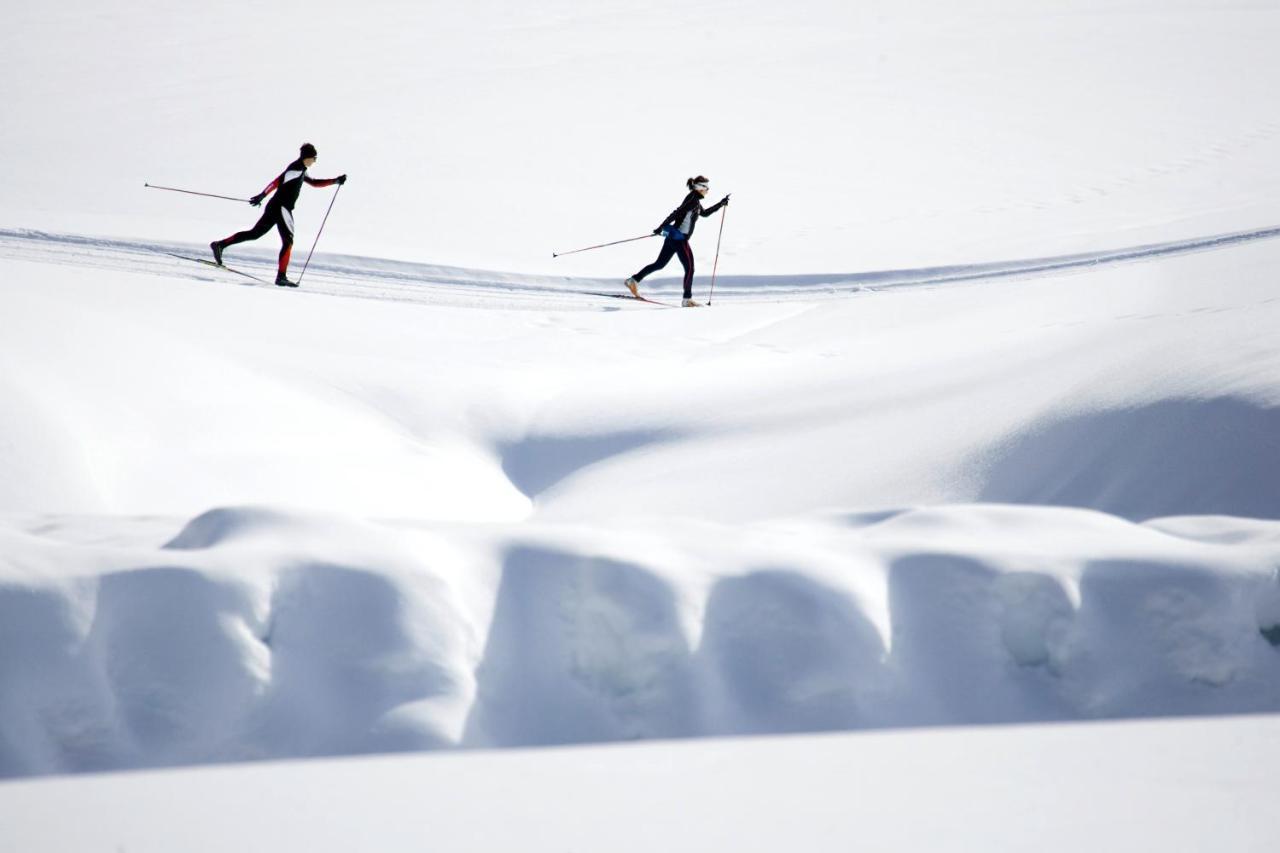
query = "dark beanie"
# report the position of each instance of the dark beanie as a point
(307, 150)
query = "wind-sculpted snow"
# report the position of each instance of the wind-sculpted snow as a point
(244, 523)
(1217, 456)
(242, 645)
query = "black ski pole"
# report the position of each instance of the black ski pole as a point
(192, 192)
(318, 233)
(723, 214)
(602, 245)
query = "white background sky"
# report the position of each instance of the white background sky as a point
(490, 134)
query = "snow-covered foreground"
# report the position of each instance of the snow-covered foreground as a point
(1169, 785)
(243, 523)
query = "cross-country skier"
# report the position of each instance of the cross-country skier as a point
(279, 210)
(678, 228)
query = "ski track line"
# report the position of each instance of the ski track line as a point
(404, 281)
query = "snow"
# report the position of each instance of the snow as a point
(1177, 784)
(873, 135)
(979, 431)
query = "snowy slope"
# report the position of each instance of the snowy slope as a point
(1169, 785)
(1045, 497)
(880, 134)
(981, 428)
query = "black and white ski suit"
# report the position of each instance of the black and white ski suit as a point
(678, 228)
(278, 213)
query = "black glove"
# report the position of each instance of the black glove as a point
(342, 179)
(257, 199)
(657, 232)
(725, 201)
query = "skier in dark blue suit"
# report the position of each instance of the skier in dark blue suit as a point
(678, 228)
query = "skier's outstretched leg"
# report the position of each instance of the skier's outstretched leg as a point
(669, 248)
(262, 226)
(664, 258)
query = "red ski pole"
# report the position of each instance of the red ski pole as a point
(601, 246)
(193, 192)
(715, 265)
(318, 233)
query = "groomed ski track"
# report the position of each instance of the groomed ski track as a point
(405, 281)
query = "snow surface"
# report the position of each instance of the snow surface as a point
(980, 429)
(877, 134)
(248, 523)
(1167, 785)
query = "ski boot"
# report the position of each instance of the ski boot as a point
(633, 286)
(282, 281)
(690, 303)
(216, 246)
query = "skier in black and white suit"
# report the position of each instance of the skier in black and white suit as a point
(279, 210)
(678, 228)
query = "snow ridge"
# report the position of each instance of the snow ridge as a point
(377, 278)
(231, 642)
(240, 523)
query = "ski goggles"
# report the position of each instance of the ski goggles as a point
(702, 186)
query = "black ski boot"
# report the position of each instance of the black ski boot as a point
(284, 282)
(216, 245)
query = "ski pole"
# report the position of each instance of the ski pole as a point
(602, 245)
(318, 233)
(715, 265)
(192, 192)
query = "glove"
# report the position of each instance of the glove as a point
(342, 179)
(659, 231)
(257, 199)
(725, 201)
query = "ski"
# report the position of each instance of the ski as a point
(210, 263)
(629, 296)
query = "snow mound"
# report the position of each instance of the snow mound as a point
(1217, 456)
(238, 640)
(227, 524)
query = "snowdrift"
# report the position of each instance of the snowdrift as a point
(233, 642)
(241, 523)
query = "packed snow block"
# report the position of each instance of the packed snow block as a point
(785, 653)
(1166, 639)
(1218, 456)
(1036, 614)
(969, 641)
(56, 712)
(362, 660)
(1268, 609)
(179, 660)
(582, 649)
(227, 524)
